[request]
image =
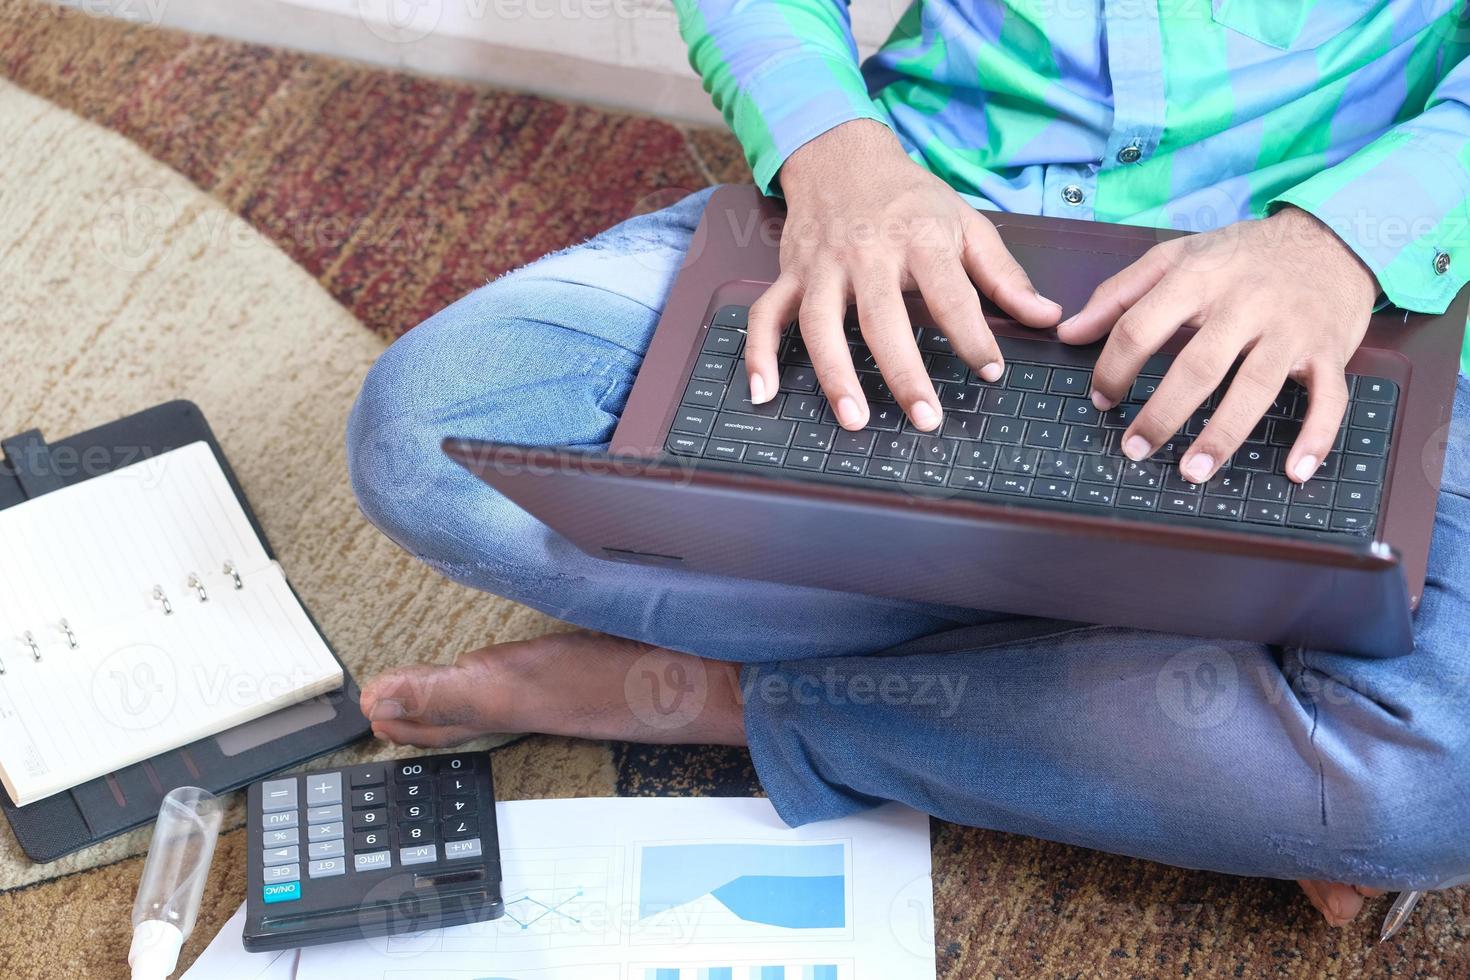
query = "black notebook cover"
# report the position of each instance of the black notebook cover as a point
(130, 797)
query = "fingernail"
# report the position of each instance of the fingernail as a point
(992, 371)
(1197, 468)
(1305, 467)
(849, 412)
(1136, 448)
(925, 416)
(1102, 402)
(758, 389)
(386, 710)
(1341, 906)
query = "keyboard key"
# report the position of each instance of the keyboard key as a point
(946, 369)
(363, 799)
(1138, 499)
(1090, 441)
(421, 854)
(1004, 431)
(1120, 416)
(720, 340)
(704, 394)
(896, 446)
(1070, 381)
(281, 855)
(801, 459)
(324, 789)
(1222, 508)
(456, 850)
(416, 811)
(929, 473)
(858, 443)
(1080, 411)
(370, 840)
(277, 795)
(1306, 516)
(1379, 390)
(1022, 461)
(1101, 471)
(974, 480)
(803, 408)
(1046, 435)
(1270, 487)
(1361, 469)
(280, 820)
(875, 389)
(1356, 496)
(1350, 521)
(881, 416)
(959, 398)
(1143, 387)
(1176, 483)
(765, 455)
(996, 401)
(281, 892)
(361, 776)
(794, 352)
(1059, 466)
(1052, 489)
(374, 861)
(818, 437)
(714, 367)
(933, 449)
(1265, 512)
(731, 316)
(1367, 441)
(1092, 493)
(327, 868)
(1144, 475)
(1227, 483)
(325, 849)
(1178, 503)
(423, 790)
(797, 378)
(333, 831)
(1016, 485)
(1028, 377)
(932, 341)
(283, 872)
(1047, 408)
(1318, 492)
(416, 833)
(724, 449)
(737, 399)
(888, 469)
(367, 819)
(964, 426)
(685, 445)
(1284, 433)
(751, 428)
(975, 456)
(1255, 457)
(850, 465)
(281, 838)
(694, 421)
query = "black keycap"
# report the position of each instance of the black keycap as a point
(875, 389)
(721, 340)
(851, 465)
(1255, 457)
(896, 446)
(928, 473)
(1070, 381)
(1047, 408)
(1284, 405)
(370, 840)
(1264, 512)
(1022, 461)
(1178, 503)
(765, 455)
(947, 369)
(1080, 411)
(1366, 441)
(415, 833)
(975, 455)
(1101, 471)
(1092, 493)
(731, 316)
(724, 449)
(794, 351)
(1176, 483)
(422, 790)
(888, 469)
(361, 776)
(995, 401)
(1198, 419)
(456, 786)
(803, 408)
(1052, 489)
(694, 421)
(1356, 496)
(799, 379)
(1046, 435)
(460, 805)
(753, 428)
(704, 394)
(461, 827)
(1327, 469)
(1060, 466)
(1028, 377)
(883, 416)
(1379, 390)
(802, 459)
(1371, 415)
(1090, 441)
(1361, 469)
(818, 437)
(1227, 483)
(363, 799)
(369, 819)
(959, 398)
(1016, 485)
(415, 811)
(1144, 475)
(963, 426)
(457, 763)
(968, 479)
(1003, 431)
(1350, 521)
(1318, 492)
(1143, 386)
(1222, 508)
(737, 399)
(933, 449)
(1309, 516)
(932, 341)
(1284, 432)
(1270, 487)
(1138, 499)
(858, 443)
(714, 367)
(1120, 416)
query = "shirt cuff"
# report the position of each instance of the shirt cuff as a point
(1403, 206)
(773, 121)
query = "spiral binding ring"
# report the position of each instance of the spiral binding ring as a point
(35, 650)
(198, 586)
(234, 573)
(159, 596)
(71, 638)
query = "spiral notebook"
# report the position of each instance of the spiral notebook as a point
(139, 612)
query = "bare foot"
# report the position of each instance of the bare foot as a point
(1338, 903)
(581, 684)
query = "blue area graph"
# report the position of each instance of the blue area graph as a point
(527, 911)
(795, 886)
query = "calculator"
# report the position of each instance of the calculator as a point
(377, 849)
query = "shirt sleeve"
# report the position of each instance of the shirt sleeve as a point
(782, 72)
(1402, 203)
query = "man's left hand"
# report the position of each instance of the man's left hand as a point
(1284, 293)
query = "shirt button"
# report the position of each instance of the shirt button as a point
(1073, 195)
(1130, 154)
(1441, 263)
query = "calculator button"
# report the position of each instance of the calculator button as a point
(280, 821)
(364, 798)
(415, 811)
(324, 831)
(407, 772)
(368, 840)
(282, 838)
(277, 795)
(282, 872)
(415, 791)
(365, 776)
(329, 868)
(376, 861)
(457, 763)
(367, 819)
(416, 833)
(456, 849)
(324, 849)
(324, 814)
(468, 827)
(455, 786)
(422, 854)
(462, 806)
(285, 892)
(282, 855)
(324, 789)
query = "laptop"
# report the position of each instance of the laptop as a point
(1022, 503)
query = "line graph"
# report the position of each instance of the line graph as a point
(526, 911)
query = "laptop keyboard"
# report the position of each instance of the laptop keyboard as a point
(1034, 437)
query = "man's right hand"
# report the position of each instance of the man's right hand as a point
(865, 223)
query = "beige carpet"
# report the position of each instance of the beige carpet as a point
(124, 286)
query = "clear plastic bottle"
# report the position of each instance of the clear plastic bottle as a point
(173, 880)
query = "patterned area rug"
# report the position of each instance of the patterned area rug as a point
(398, 194)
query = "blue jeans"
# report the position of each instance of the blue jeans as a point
(1219, 755)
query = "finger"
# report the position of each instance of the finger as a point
(955, 306)
(1336, 908)
(763, 326)
(1251, 392)
(1137, 336)
(1327, 398)
(890, 336)
(1114, 297)
(992, 267)
(1195, 373)
(822, 307)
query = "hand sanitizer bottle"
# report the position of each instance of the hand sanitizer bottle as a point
(173, 880)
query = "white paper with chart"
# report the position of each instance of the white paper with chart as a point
(139, 612)
(680, 889)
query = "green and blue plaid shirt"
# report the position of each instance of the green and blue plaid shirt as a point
(1188, 114)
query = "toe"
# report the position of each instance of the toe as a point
(1338, 903)
(421, 736)
(428, 696)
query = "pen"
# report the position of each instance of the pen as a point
(1398, 914)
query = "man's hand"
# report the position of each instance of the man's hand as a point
(865, 223)
(1284, 292)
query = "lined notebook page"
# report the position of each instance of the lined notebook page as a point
(140, 682)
